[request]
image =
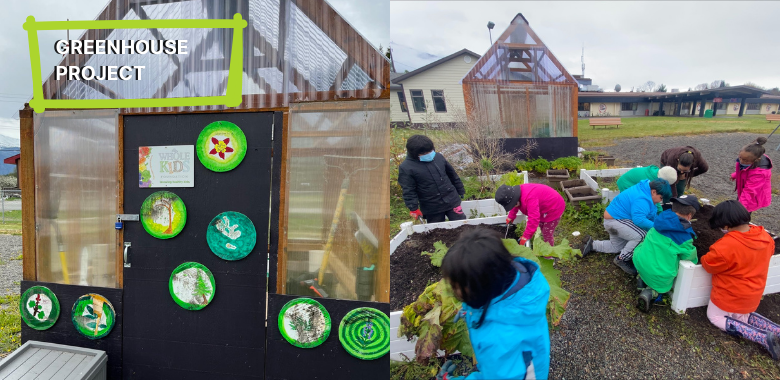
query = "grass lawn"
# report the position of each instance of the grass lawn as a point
(13, 223)
(670, 126)
(10, 324)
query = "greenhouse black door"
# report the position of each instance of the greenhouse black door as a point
(203, 320)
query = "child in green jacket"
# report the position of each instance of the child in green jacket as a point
(651, 173)
(668, 242)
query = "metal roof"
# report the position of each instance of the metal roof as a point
(432, 65)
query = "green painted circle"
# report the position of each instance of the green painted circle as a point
(231, 235)
(365, 333)
(192, 286)
(304, 323)
(89, 323)
(39, 307)
(157, 211)
(221, 146)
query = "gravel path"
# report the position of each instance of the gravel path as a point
(720, 151)
(10, 264)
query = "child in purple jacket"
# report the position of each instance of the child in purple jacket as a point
(753, 176)
(541, 203)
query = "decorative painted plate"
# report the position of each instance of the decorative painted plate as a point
(163, 214)
(93, 316)
(231, 235)
(304, 323)
(192, 286)
(39, 307)
(221, 146)
(365, 333)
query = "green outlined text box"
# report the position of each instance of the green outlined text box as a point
(233, 95)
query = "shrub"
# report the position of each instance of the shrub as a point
(572, 164)
(590, 155)
(521, 165)
(539, 165)
(510, 179)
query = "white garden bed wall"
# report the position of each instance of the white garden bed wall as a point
(487, 207)
(399, 346)
(607, 195)
(693, 284)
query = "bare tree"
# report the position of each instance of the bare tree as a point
(717, 83)
(751, 84)
(702, 86)
(646, 87)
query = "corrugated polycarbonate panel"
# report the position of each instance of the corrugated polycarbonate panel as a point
(337, 191)
(75, 196)
(521, 86)
(294, 50)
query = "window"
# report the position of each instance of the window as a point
(438, 101)
(583, 106)
(418, 100)
(753, 106)
(722, 106)
(627, 106)
(402, 100)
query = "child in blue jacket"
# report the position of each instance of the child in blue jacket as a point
(627, 219)
(504, 304)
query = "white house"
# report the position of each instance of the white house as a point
(432, 92)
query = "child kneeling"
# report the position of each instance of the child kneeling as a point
(504, 304)
(739, 264)
(658, 256)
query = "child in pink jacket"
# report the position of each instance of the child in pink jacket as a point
(753, 176)
(541, 203)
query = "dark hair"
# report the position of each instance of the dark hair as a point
(730, 214)
(480, 266)
(418, 144)
(683, 209)
(756, 148)
(686, 159)
(661, 186)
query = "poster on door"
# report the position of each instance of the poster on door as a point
(166, 166)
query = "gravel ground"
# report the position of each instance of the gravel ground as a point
(10, 266)
(720, 151)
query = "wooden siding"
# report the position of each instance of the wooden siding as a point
(445, 77)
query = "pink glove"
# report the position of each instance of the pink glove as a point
(417, 214)
(458, 210)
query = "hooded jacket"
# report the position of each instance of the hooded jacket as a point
(670, 156)
(657, 257)
(514, 336)
(541, 203)
(635, 175)
(636, 204)
(433, 187)
(754, 184)
(739, 264)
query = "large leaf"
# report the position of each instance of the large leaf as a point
(518, 250)
(455, 337)
(440, 249)
(561, 251)
(429, 340)
(558, 296)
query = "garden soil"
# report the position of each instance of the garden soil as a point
(411, 272)
(705, 236)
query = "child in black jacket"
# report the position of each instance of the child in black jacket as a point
(431, 187)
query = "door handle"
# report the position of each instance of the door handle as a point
(127, 247)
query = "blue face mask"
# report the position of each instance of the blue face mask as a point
(743, 167)
(428, 157)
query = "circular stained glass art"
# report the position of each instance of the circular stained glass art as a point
(163, 214)
(192, 286)
(93, 316)
(39, 308)
(365, 333)
(231, 235)
(221, 146)
(304, 323)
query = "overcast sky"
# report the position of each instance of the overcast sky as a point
(680, 44)
(369, 17)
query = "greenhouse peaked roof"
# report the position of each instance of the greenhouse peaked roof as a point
(301, 47)
(518, 55)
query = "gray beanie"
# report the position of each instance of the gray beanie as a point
(668, 173)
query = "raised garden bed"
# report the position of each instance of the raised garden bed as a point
(411, 272)
(589, 176)
(555, 175)
(693, 284)
(609, 160)
(578, 196)
(574, 183)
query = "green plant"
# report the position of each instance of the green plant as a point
(430, 318)
(521, 165)
(594, 165)
(10, 323)
(438, 254)
(539, 165)
(510, 179)
(590, 154)
(572, 164)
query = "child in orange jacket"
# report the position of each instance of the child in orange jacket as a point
(739, 264)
